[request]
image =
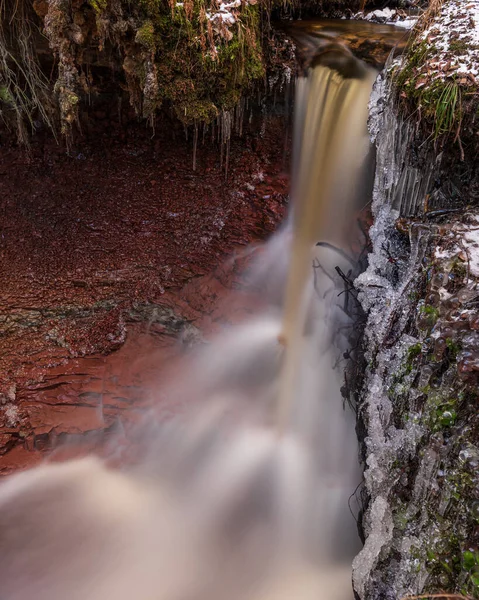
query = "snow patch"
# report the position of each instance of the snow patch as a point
(462, 244)
(381, 15)
(225, 16)
(387, 16)
(454, 34)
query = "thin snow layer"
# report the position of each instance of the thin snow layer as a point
(454, 34)
(461, 242)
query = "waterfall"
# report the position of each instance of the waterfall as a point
(330, 151)
(216, 502)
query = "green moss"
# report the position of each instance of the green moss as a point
(416, 56)
(470, 560)
(458, 46)
(446, 416)
(145, 36)
(453, 347)
(427, 317)
(430, 311)
(413, 351)
(458, 269)
(197, 79)
(99, 6)
(6, 96)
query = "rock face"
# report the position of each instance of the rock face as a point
(418, 405)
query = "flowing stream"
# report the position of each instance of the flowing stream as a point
(245, 492)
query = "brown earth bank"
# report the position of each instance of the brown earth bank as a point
(119, 247)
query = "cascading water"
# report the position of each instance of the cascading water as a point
(330, 139)
(217, 502)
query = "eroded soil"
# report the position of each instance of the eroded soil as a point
(113, 259)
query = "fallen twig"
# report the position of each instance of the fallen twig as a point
(338, 250)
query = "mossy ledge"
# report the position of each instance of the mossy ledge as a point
(436, 80)
(194, 59)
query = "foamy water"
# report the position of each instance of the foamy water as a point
(225, 500)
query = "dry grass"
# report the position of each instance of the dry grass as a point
(429, 15)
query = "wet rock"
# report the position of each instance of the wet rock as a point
(418, 405)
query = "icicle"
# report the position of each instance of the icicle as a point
(241, 119)
(195, 144)
(225, 124)
(227, 159)
(220, 140)
(263, 121)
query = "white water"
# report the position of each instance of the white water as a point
(220, 505)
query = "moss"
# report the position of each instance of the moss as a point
(145, 36)
(458, 269)
(431, 311)
(439, 100)
(454, 348)
(455, 560)
(413, 351)
(99, 6)
(196, 77)
(171, 55)
(458, 46)
(444, 105)
(427, 317)
(6, 96)
(445, 416)
(417, 54)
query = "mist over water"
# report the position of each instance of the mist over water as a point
(245, 493)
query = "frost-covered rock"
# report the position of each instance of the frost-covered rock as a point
(418, 405)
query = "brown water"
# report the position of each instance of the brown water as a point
(331, 148)
(371, 42)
